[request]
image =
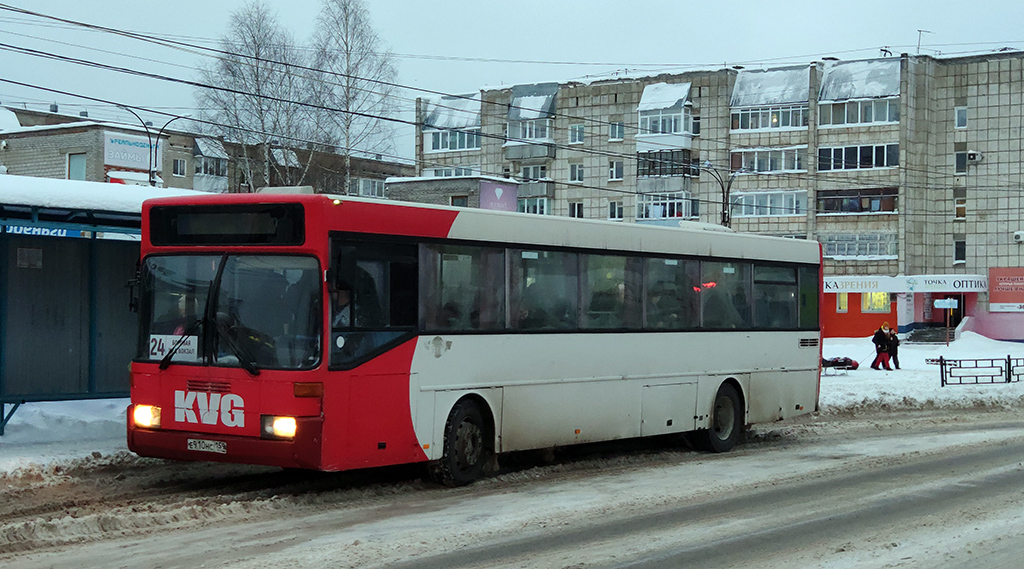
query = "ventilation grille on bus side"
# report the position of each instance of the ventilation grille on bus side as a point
(209, 386)
(808, 342)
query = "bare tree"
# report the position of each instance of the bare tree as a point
(357, 80)
(264, 110)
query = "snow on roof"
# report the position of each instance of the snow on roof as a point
(211, 148)
(286, 158)
(73, 194)
(8, 120)
(771, 87)
(461, 111)
(129, 176)
(532, 101)
(405, 179)
(664, 96)
(868, 78)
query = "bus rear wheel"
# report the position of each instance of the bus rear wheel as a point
(726, 422)
(467, 446)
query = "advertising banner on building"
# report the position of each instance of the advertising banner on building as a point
(499, 197)
(128, 151)
(910, 283)
(1006, 289)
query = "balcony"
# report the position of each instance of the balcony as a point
(537, 189)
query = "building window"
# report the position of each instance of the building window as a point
(756, 204)
(615, 169)
(959, 249)
(960, 165)
(180, 167)
(770, 160)
(76, 166)
(859, 112)
(695, 124)
(576, 172)
(960, 117)
(664, 206)
(842, 302)
(666, 163)
(460, 201)
(530, 129)
(762, 118)
(576, 210)
(615, 211)
(211, 166)
(876, 302)
(369, 188)
(960, 208)
(534, 205)
(575, 134)
(666, 121)
(854, 157)
(880, 245)
(859, 200)
(449, 171)
(616, 131)
(535, 172)
(449, 140)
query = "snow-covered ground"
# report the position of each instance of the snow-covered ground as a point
(40, 433)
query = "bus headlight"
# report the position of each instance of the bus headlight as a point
(277, 427)
(146, 416)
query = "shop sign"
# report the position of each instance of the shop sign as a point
(1006, 291)
(913, 283)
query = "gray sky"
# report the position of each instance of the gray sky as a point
(432, 41)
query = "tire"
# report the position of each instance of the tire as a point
(726, 422)
(468, 446)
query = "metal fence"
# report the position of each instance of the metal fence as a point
(980, 371)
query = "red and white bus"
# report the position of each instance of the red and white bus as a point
(334, 333)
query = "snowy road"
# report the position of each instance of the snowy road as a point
(937, 488)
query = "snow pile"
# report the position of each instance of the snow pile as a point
(43, 432)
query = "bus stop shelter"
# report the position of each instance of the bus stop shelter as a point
(67, 252)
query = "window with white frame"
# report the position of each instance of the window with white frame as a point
(575, 172)
(760, 204)
(615, 211)
(842, 302)
(530, 129)
(615, 169)
(180, 167)
(876, 244)
(859, 112)
(768, 160)
(666, 121)
(449, 140)
(763, 118)
(859, 157)
(538, 206)
(664, 206)
(877, 302)
(534, 172)
(211, 166)
(76, 166)
(370, 188)
(576, 134)
(450, 171)
(960, 208)
(960, 117)
(576, 210)
(616, 131)
(959, 249)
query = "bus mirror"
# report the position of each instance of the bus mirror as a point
(133, 297)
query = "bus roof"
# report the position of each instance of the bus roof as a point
(378, 216)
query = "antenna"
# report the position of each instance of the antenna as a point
(919, 33)
(886, 52)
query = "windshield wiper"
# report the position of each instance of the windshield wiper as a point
(192, 329)
(245, 357)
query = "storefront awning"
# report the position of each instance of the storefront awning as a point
(908, 283)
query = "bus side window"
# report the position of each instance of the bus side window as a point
(463, 287)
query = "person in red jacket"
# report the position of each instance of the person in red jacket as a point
(881, 342)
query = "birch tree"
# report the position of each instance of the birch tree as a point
(356, 68)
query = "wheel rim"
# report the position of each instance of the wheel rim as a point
(724, 420)
(468, 445)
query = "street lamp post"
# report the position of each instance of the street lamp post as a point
(726, 186)
(149, 136)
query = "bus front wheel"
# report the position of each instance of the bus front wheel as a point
(467, 446)
(726, 422)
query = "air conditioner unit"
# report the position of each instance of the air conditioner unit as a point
(974, 156)
(1018, 236)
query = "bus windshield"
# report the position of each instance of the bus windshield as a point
(264, 312)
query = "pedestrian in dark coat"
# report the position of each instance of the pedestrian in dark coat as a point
(893, 348)
(881, 342)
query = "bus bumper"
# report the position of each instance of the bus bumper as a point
(301, 452)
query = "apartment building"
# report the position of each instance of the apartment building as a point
(906, 169)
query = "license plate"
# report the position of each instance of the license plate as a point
(203, 445)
